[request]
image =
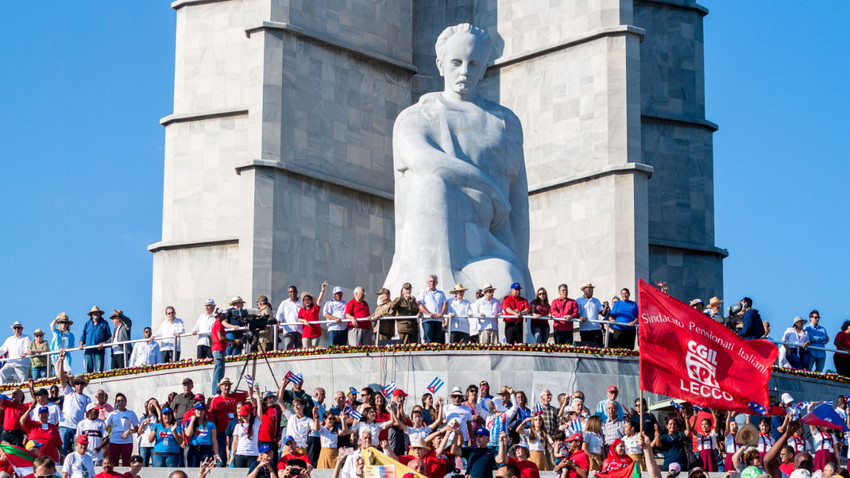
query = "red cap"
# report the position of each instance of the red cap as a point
(612, 388)
(83, 439)
(399, 393)
(198, 396)
(575, 437)
(246, 410)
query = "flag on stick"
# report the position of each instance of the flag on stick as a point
(824, 416)
(388, 389)
(351, 412)
(685, 354)
(435, 385)
(294, 377)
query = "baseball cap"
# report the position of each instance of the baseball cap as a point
(199, 396)
(352, 391)
(167, 410)
(264, 448)
(288, 439)
(337, 289)
(675, 468)
(787, 399)
(200, 406)
(613, 388)
(399, 393)
(43, 410)
(209, 302)
(574, 437)
(516, 285)
(94, 406)
(83, 439)
(522, 444)
(484, 382)
(482, 432)
(246, 409)
(187, 380)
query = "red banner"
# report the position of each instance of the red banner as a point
(685, 354)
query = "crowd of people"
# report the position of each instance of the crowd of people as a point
(478, 430)
(427, 316)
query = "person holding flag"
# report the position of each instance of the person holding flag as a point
(672, 444)
(288, 397)
(826, 446)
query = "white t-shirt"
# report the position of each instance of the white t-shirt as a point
(374, 428)
(328, 438)
(421, 432)
(54, 415)
(589, 309)
(822, 441)
(462, 414)
(287, 316)
(78, 466)
(490, 308)
(247, 446)
(594, 442)
(73, 408)
(335, 308)
(203, 326)
(146, 431)
(707, 441)
(96, 431)
(433, 301)
(121, 422)
(534, 444)
(298, 428)
(632, 447)
(462, 310)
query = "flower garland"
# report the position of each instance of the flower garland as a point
(400, 348)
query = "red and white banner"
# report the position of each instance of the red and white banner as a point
(685, 354)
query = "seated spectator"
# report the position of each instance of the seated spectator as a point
(264, 467)
(291, 453)
(575, 460)
(108, 470)
(617, 458)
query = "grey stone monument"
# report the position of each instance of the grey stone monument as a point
(461, 202)
(278, 165)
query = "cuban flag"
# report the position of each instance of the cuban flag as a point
(824, 416)
(697, 408)
(250, 381)
(435, 385)
(388, 389)
(351, 412)
(538, 409)
(294, 377)
(676, 405)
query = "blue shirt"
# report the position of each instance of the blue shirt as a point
(203, 435)
(62, 341)
(752, 328)
(817, 337)
(624, 311)
(165, 442)
(96, 334)
(602, 409)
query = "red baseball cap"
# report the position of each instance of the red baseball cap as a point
(198, 396)
(575, 437)
(246, 410)
(399, 393)
(83, 439)
(613, 388)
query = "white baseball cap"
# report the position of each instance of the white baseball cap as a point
(337, 289)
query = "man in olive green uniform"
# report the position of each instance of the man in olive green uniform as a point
(406, 305)
(386, 328)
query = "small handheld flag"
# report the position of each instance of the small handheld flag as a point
(388, 389)
(351, 412)
(676, 405)
(824, 416)
(697, 408)
(538, 409)
(250, 381)
(294, 377)
(435, 385)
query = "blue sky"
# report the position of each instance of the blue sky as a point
(83, 86)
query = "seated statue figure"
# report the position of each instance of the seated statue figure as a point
(461, 194)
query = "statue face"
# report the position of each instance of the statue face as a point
(463, 64)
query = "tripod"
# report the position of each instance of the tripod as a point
(254, 340)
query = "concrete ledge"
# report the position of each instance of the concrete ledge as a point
(188, 3)
(186, 117)
(315, 175)
(628, 168)
(172, 245)
(687, 246)
(589, 36)
(321, 38)
(686, 4)
(684, 120)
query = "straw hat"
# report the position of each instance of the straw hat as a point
(487, 286)
(236, 299)
(458, 288)
(748, 435)
(587, 285)
(95, 310)
(714, 301)
(63, 319)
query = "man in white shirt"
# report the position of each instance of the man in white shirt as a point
(460, 315)
(432, 304)
(335, 310)
(18, 363)
(489, 307)
(458, 411)
(145, 353)
(171, 329)
(41, 398)
(203, 329)
(78, 464)
(590, 308)
(287, 316)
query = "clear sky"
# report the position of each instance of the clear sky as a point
(83, 86)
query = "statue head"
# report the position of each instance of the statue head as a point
(462, 53)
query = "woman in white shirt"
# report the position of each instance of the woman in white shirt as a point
(148, 423)
(244, 448)
(798, 336)
(537, 439)
(122, 423)
(328, 437)
(367, 422)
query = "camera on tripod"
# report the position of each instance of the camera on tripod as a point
(257, 324)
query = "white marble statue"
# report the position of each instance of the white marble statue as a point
(461, 195)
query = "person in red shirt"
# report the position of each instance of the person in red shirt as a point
(564, 308)
(13, 408)
(526, 468)
(359, 331)
(290, 453)
(219, 344)
(576, 462)
(436, 464)
(223, 409)
(271, 413)
(136, 463)
(516, 305)
(187, 417)
(108, 470)
(41, 432)
(309, 312)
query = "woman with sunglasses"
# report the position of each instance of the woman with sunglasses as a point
(542, 312)
(166, 436)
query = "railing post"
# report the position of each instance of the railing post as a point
(449, 331)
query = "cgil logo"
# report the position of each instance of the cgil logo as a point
(701, 362)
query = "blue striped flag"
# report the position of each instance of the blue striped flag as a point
(538, 409)
(388, 389)
(351, 412)
(250, 381)
(435, 385)
(294, 377)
